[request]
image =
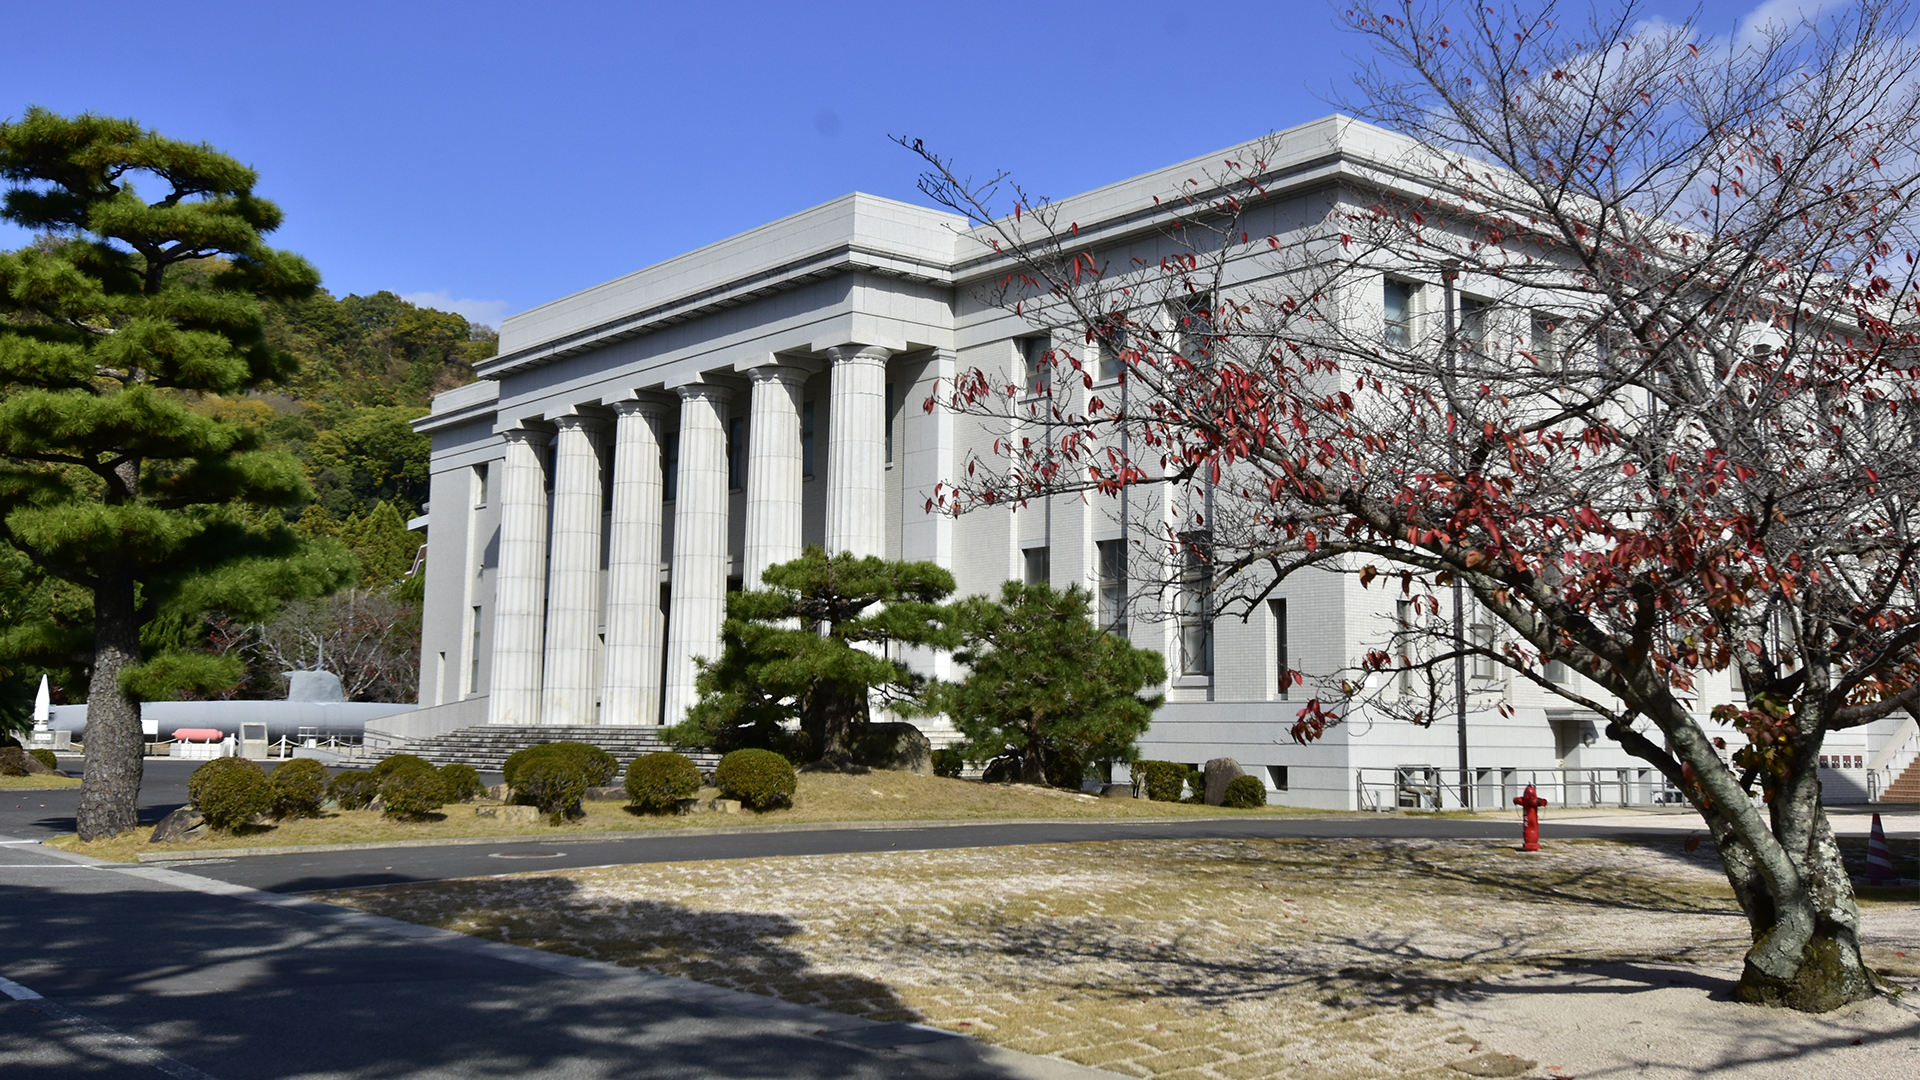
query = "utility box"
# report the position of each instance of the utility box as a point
(253, 741)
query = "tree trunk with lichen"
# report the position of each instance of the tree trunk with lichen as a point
(109, 795)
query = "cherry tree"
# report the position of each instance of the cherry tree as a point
(1612, 331)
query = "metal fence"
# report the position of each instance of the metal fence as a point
(1433, 787)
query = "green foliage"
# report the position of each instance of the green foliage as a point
(461, 782)
(598, 766)
(657, 782)
(412, 794)
(401, 763)
(760, 779)
(382, 546)
(949, 762)
(1196, 787)
(791, 652)
(1046, 686)
(555, 783)
(353, 789)
(45, 757)
(229, 792)
(13, 762)
(1162, 779)
(375, 351)
(299, 787)
(1244, 793)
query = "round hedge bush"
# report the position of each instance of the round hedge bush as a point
(760, 779)
(45, 757)
(229, 792)
(461, 782)
(1162, 779)
(657, 782)
(949, 762)
(412, 794)
(555, 783)
(299, 787)
(402, 763)
(596, 764)
(353, 789)
(1244, 793)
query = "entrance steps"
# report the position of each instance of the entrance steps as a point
(1906, 787)
(486, 746)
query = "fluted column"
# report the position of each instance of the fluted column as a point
(699, 590)
(773, 471)
(572, 685)
(630, 684)
(519, 604)
(856, 451)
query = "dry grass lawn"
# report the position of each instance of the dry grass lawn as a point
(821, 797)
(1217, 959)
(41, 782)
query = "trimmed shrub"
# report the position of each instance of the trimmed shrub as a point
(45, 757)
(401, 763)
(599, 766)
(1162, 779)
(412, 794)
(353, 789)
(657, 782)
(229, 792)
(460, 782)
(555, 783)
(760, 779)
(1196, 786)
(949, 763)
(1244, 793)
(299, 787)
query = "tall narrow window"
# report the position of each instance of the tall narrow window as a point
(480, 484)
(1195, 602)
(1113, 585)
(1282, 663)
(473, 655)
(1112, 343)
(1484, 665)
(1403, 646)
(670, 466)
(1036, 568)
(1037, 362)
(736, 452)
(1476, 322)
(806, 439)
(1546, 355)
(889, 415)
(1191, 322)
(1397, 297)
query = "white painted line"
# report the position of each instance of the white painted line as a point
(3, 842)
(179, 1070)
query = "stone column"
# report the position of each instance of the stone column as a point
(856, 451)
(573, 576)
(630, 683)
(520, 595)
(699, 544)
(773, 471)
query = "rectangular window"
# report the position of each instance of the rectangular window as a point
(1403, 646)
(1195, 603)
(1282, 662)
(670, 466)
(1191, 323)
(1037, 365)
(1476, 322)
(1113, 585)
(473, 655)
(806, 439)
(480, 484)
(889, 415)
(1546, 354)
(1397, 297)
(1558, 673)
(1278, 774)
(1035, 561)
(440, 679)
(1484, 665)
(736, 453)
(1112, 343)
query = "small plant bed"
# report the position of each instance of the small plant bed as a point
(819, 797)
(1209, 958)
(37, 782)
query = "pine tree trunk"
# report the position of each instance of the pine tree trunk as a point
(1825, 971)
(110, 787)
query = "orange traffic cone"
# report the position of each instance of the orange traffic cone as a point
(1879, 858)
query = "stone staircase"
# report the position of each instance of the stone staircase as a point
(486, 746)
(1906, 787)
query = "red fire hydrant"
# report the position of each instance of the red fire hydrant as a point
(1531, 802)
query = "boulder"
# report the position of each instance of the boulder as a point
(610, 793)
(17, 762)
(1219, 773)
(898, 746)
(1116, 791)
(499, 792)
(182, 826)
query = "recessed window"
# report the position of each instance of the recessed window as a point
(1195, 605)
(1403, 646)
(1397, 297)
(1282, 663)
(1484, 665)
(1113, 585)
(889, 416)
(1036, 565)
(1112, 342)
(1036, 358)
(1545, 347)
(736, 452)
(670, 466)
(1277, 774)
(1476, 322)
(480, 472)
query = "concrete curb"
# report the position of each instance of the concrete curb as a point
(164, 857)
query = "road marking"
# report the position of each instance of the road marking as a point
(179, 1070)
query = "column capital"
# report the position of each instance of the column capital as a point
(530, 435)
(700, 391)
(787, 374)
(592, 425)
(641, 406)
(848, 354)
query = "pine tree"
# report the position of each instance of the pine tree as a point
(122, 314)
(1047, 687)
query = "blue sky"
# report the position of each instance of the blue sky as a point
(487, 157)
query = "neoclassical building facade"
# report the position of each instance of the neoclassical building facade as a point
(638, 449)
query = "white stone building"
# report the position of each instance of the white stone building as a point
(639, 448)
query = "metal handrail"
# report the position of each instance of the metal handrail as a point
(1427, 788)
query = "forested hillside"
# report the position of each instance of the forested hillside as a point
(367, 366)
